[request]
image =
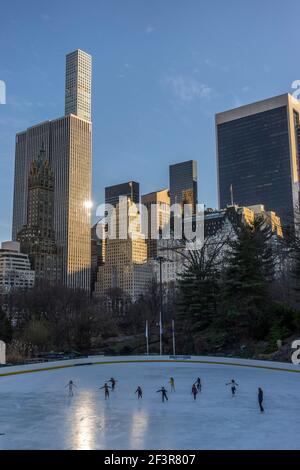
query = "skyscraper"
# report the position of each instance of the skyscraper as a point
(131, 190)
(78, 84)
(158, 214)
(183, 183)
(258, 156)
(37, 237)
(68, 147)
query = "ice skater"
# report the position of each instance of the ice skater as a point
(198, 384)
(71, 386)
(164, 395)
(261, 399)
(194, 391)
(233, 385)
(113, 383)
(172, 383)
(139, 392)
(106, 390)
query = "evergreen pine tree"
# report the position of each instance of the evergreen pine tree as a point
(5, 327)
(250, 265)
(199, 290)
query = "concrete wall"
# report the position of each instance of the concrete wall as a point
(93, 360)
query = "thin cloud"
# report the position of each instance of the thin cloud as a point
(188, 89)
(15, 102)
(45, 17)
(215, 65)
(150, 29)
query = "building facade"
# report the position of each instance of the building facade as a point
(174, 254)
(68, 148)
(184, 184)
(258, 156)
(37, 237)
(225, 220)
(78, 89)
(97, 250)
(125, 266)
(158, 218)
(130, 190)
(15, 269)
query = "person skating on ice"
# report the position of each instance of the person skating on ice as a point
(106, 390)
(163, 392)
(113, 383)
(194, 391)
(198, 384)
(71, 386)
(233, 385)
(172, 383)
(261, 399)
(139, 392)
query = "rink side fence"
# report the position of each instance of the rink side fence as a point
(102, 360)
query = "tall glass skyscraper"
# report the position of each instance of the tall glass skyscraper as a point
(183, 183)
(258, 156)
(68, 148)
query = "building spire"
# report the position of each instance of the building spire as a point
(42, 153)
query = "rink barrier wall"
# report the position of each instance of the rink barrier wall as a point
(102, 360)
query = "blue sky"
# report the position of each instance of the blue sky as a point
(161, 70)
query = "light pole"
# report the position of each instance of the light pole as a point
(161, 260)
(147, 338)
(173, 337)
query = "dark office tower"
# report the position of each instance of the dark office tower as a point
(258, 157)
(131, 190)
(37, 237)
(183, 183)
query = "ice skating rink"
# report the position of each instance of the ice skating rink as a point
(36, 412)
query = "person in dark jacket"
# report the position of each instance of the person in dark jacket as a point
(139, 392)
(163, 392)
(113, 383)
(198, 384)
(194, 391)
(106, 391)
(261, 399)
(71, 386)
(233, 386)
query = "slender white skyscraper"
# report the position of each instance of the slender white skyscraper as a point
(78, 84)
(68, 148)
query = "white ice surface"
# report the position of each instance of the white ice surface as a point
(36, 413)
